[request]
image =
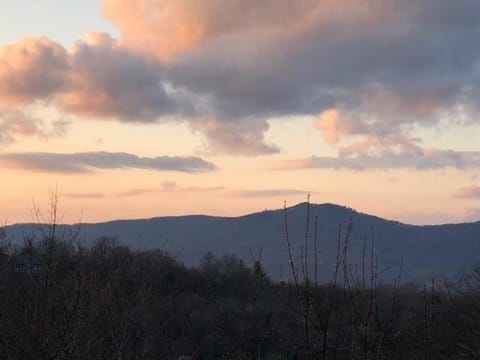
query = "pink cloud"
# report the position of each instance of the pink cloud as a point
(16, 123)
(234, 137)
(468, 192)
(169, 27)
(107, 80)
(363, 135)
(30, 69)
(97, 77)
(335, 125)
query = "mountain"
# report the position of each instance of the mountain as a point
(425, 251)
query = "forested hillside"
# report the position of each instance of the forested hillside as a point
(426, 251)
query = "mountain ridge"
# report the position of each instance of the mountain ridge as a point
(426, 250)
(298, 205)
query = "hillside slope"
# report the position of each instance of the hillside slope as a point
(426, 251)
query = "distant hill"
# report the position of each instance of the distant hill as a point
(441, 250)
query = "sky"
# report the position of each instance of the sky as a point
(144, 108)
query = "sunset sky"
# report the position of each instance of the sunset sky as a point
(143, 108)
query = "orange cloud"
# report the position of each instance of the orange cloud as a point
(329, 122)
(334, 125)
(166, 27)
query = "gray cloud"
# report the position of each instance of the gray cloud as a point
(88, 161)
(238, 138)
(386, 64)
(398, 45)
(468, 192)
(107, 80)
(427, 160)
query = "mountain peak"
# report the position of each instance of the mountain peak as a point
(321, 205)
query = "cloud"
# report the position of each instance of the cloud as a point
(150, 26)
(284, 57)
(269, 193)
(17, 123)
(236, 137)
(426, 160)
(202, 189)
(92, 195)
(377, 77)
(109, 81)
(135, 192)
(372, 70)
(332, 124)
(468, 192)
(379, 64)
(169, 185)
(97, 77)
(369, 132)
(31, 69)
(89, 161)
(169, 27)
(100, 78)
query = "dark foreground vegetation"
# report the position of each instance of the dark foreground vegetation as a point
(63, 300)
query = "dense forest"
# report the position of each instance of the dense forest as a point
(62, 299)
